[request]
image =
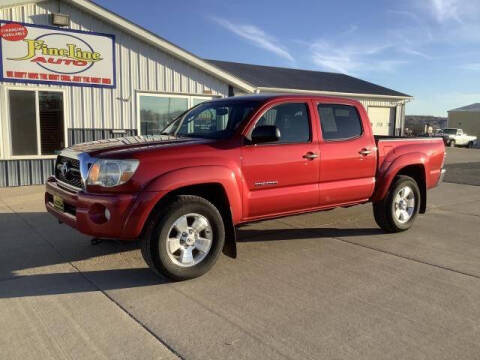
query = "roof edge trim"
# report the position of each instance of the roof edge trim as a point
(333, 93)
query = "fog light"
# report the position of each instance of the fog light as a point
(107, 214)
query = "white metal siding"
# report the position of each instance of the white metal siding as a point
(139, 66)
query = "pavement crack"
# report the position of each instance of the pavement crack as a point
(408, 258)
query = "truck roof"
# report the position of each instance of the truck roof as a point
(266, 97)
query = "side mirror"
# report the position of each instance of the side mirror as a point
(265, 134)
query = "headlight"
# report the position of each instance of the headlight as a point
(109, 173)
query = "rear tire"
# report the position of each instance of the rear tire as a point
(470, 145)
(398, 210)
(185, 239)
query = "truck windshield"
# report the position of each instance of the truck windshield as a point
(213, 119)
(450, 131)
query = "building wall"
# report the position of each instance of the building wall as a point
(469, 121)
(140, 67)
(94, 112)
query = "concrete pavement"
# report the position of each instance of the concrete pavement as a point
(327, 285)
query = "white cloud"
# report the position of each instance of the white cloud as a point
(410, 51)
(471, 66)
(256, 36)
(444, 10)
(353, 59)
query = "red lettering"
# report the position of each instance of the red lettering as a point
(106, 81)
(19, 74)
(77, 79)
(53, 77)
(85, 79)
(79, 63)
(33, 75)
(9, 73)
(65, 78)
(39, 59)
(53, 61)
(43, 76)
(95, 80)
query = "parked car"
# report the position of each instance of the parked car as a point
(253, 158)
(456, 137)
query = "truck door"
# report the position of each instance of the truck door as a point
(282, 176)
(348, 155)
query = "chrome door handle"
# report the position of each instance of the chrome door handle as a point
(310, 156)
(364, 152)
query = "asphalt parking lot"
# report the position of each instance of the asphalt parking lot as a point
(320, 286)
(463, 166)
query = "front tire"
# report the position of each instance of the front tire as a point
(451, 143)
(398, 210)
(185, 239)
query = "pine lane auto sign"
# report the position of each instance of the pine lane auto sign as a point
(48, 55)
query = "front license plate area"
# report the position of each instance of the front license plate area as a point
(58, 203)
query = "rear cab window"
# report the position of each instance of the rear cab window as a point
(339, 122)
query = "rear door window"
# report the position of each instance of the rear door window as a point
(339, 122)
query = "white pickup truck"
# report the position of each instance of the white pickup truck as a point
(456, 137)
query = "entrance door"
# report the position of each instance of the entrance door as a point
(282, 176)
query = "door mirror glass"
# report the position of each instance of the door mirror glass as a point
(265, 134)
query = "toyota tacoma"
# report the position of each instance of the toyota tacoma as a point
(232, 161)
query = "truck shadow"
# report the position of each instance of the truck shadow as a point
(37, 255)
(253, 235)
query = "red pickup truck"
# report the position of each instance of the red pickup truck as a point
(232, 161)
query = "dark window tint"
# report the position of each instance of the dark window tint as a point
(291, 119)
(23, 122)
(339, 122)
(51, 122)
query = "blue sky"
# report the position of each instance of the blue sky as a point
(429, 49)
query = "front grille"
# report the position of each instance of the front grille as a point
(67, 170)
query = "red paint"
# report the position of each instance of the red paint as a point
(291, 184)
(13, 32)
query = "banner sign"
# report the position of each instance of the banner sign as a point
(50, 55)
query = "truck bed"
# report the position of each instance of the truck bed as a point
(393, 147)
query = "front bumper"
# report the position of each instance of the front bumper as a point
(86, 212)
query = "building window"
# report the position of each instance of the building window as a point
(156, 111)
(36, 122)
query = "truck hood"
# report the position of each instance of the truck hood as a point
(131, 143)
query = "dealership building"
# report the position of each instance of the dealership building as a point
(72, 71)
